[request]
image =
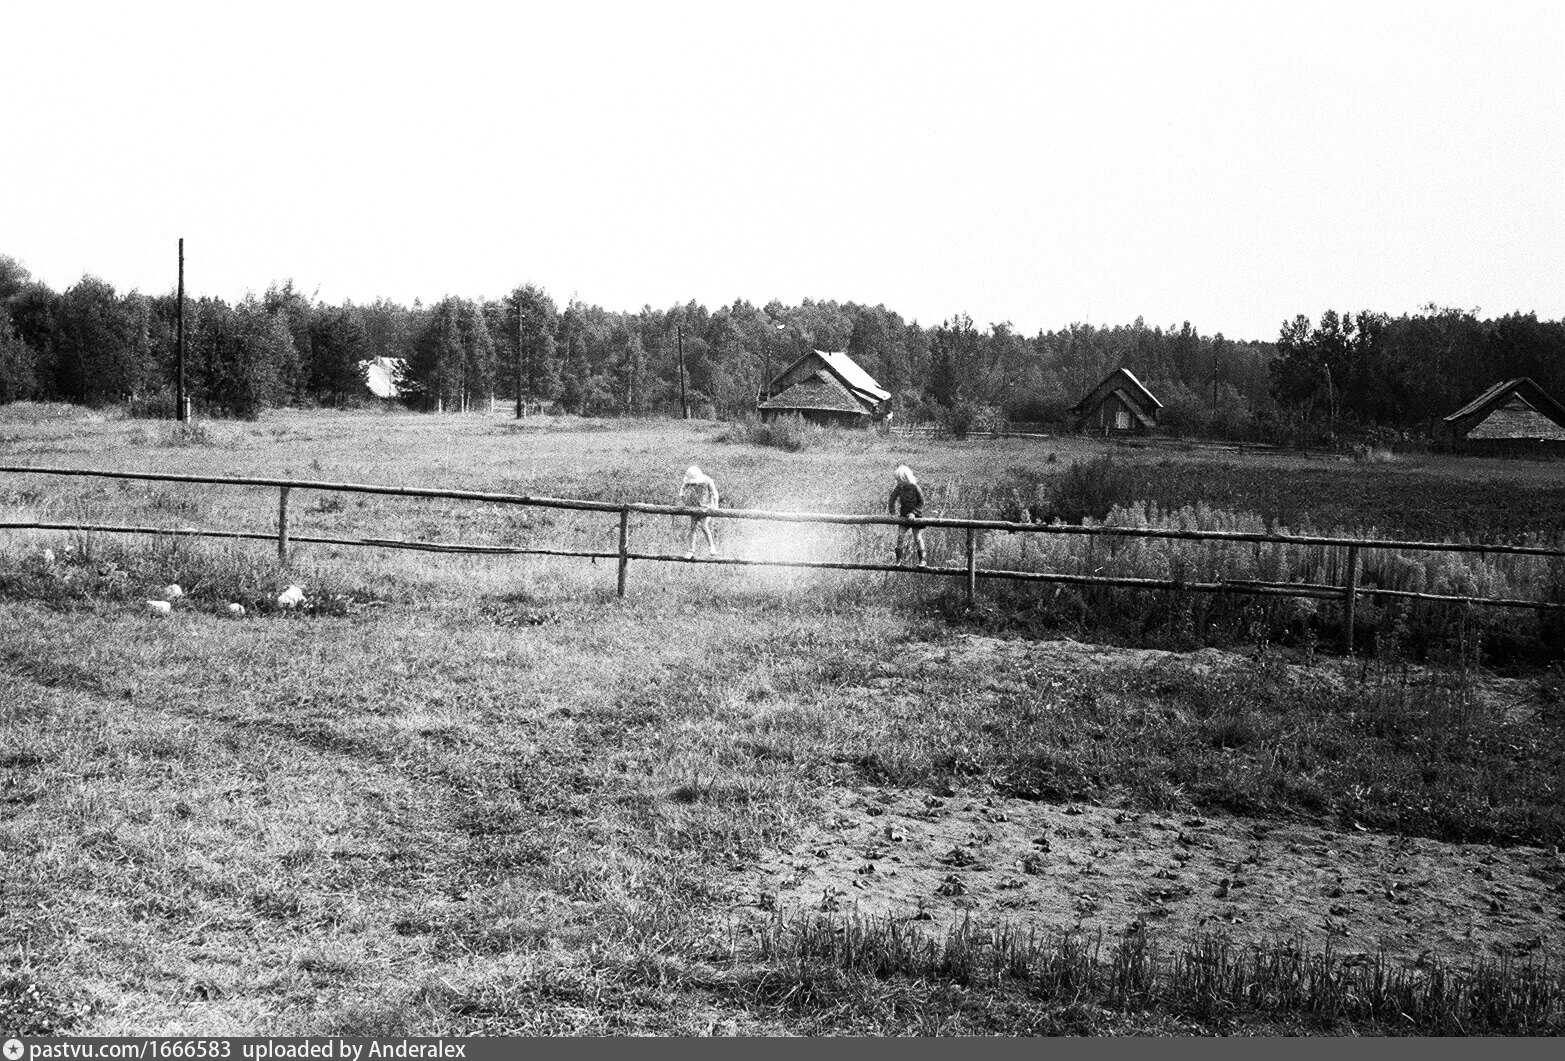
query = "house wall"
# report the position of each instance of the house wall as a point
(1504, 448)
(1112, 416)
(824, 417)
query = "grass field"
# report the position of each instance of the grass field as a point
(464, 795)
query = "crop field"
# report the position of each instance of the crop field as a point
(456, 795)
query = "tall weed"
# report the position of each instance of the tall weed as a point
(1211, 979)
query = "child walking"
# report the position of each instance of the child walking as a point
(699, 491)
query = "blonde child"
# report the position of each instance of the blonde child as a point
(910, 499)
(699, 491)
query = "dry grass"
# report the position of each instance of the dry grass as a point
(469, 795)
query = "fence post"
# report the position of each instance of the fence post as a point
(624, 547)
(972, 569)
(282, 526)
(1351, 594)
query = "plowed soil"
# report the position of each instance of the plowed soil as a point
(909, 854)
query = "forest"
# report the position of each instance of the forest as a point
(1345, 374)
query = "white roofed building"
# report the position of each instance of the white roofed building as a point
(825, 387)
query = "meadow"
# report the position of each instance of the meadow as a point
(467, 795)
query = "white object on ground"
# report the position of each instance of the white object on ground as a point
(48, 556)
(236, 609)
(172, 592)
(160, 609)
(291, 597)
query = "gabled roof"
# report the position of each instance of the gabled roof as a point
(821, 391)
(852, 374)
(1141, 387)
(1130, 389)
(1515, 420)
(844, 368)
(1499, 395)
(1511, 409)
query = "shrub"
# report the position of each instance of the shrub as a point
(966, 417)
(1371, 454)
(790, 433)
(190, 433)
(1092, 489)
(157, 405)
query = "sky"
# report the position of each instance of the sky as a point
(1227, 164)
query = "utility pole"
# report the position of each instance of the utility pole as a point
(181, 403)
(521, 410)
(766, 378)
(684, 399)
(1331, 405)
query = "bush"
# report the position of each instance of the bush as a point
(790, 433)
(1092, 489)
(965, 417)
(158, 405)
(1372, 454)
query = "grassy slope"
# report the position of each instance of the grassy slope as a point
(470, 795)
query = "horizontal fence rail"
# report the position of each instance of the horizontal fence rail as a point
(849, 519)
(306, 539)
(1347, 594)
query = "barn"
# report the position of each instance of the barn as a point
(1120, 405)
(1512, 412)
(825, 387)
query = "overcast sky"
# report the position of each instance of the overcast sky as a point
(1229, 164)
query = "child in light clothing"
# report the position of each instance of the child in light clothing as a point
(699, 491)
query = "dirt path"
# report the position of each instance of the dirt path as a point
(909, 855)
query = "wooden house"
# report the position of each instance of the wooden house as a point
(825, 387)
(1512, 410)
(1120, 405)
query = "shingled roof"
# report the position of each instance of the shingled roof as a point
(1512, 408)
(854, 376)
(826, 381)
(1114, 383)
(821, 391)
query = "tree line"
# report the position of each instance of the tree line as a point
(93, 345)
(1406, 373)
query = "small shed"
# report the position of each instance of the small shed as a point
(1514, 410)
(1120, 405)
(825, 387)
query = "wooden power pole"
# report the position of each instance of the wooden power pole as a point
(181, 403)
(684, 398)
(521, 410)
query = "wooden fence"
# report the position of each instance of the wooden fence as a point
(1017, 429)
(1348, 592)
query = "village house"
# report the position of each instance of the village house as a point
(1120, 405)
(1512, 412)
(825, 387)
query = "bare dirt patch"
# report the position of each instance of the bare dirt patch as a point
(942, 856)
